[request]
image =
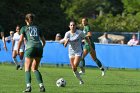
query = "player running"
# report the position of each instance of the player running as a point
(89, 47)
(74, 38)
(15, 41)
(34, 50)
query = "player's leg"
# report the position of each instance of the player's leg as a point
(37, 73)
(21, 55)
(14, 54)
(82, 62)
(76, 73)
(35, 64)
(28, 63)
(98, 62)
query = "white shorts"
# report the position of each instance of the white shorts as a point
(75, 54)
(21, 48)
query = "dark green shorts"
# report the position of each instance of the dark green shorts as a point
(86, 46)
(34, 52)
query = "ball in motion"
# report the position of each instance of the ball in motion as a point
(61, 82)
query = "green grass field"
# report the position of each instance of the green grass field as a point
(115, 80)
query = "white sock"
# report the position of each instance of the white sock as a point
(41, 84)
(15, 61)
(76, 74)
(29, 85)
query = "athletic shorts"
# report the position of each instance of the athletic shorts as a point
(73, 54)
(87, 47)
(34, 52)
(20, 50)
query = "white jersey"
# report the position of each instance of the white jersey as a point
(16, 38)
(75, 42)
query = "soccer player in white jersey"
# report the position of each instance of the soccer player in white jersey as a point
(74, 39)
(15, 41)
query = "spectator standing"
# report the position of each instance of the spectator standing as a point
(58, 37)
(105, 39)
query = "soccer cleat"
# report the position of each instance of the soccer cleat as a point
(20, 68)
(81, 82)
(103, 71)
(28, 89)
(81, 72)
(42, 89)
(17, 67)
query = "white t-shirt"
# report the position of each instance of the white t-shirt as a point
(133, 42)
(105, 41)
(75, 41)
(16, 38)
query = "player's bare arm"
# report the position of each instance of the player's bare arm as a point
(20, 42)
(43, 41)
(66, 42)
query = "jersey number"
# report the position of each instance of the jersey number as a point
(33, 31)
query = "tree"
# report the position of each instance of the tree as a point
(131, 6)
(49, 15)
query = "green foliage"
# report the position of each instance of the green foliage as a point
(54, 15)
(75, 9)
(118, 23)
(49, 15)
(131, 6)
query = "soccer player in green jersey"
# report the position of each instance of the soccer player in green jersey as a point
(34, 50)
(89, 47)
(2, 36)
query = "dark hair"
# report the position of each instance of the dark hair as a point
(85, 18)
(17, 25)
(29, 17)
(73, 22)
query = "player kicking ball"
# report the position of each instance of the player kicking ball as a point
(74, 40)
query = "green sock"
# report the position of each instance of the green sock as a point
(82, 63)
(28, 77)
(38, 76)
(98, 62)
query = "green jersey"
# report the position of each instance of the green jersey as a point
(86, 45)
(32, 35)
(86, 30)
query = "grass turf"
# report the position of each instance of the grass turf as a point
(115, 80)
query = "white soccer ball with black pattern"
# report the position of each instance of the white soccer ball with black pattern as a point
(61, 82)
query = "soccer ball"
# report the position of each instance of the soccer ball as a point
(61, 82)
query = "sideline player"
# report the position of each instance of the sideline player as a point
(15, 41)
(74, 38)
(2, 36)
(34, 50)
(89, 47)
